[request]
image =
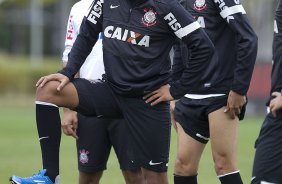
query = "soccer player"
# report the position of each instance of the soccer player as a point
(267, 167)
(96, 136)
(212, 111)
(138, 36)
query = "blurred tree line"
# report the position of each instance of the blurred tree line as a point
(16, 21)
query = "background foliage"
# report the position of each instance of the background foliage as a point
(19, 76)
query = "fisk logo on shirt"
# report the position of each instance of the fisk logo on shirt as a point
(222, 6)
(177, 28)
(172, 22)
(95, 12)
(228, 12)
(127, 36)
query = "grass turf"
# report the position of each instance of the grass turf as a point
(20, 150)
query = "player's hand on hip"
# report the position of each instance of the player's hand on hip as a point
(159, 95)
(235, 102)
(64, 80)
(173, 120)
(275, 103)
(69, 123)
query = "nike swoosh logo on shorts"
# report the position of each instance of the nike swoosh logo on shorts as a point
(154, 163)
(114, 6)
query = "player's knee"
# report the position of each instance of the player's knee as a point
(134, 177)
(153, 177)
(224, 164)
(47, 92)
(183, 167)
(90, 178)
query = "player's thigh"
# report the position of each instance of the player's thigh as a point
(189, 151)
(191, 115)
(149, 127)
(122, 144)
(93, 145)
(121, 141)
(223, 133)
(67, 97)
(96, 98)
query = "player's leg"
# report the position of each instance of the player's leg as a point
(90, 178)
(133, 176)
(154, 177)
(122, 143)
(192, 136)
(93, 148)
(224, 136)
(267, 166)
(90, 97)
(48, 100)
(149, 128)
(189, 152)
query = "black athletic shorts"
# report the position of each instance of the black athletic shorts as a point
(192, 115)
(96, 138)
(148, 126)
(268, 156)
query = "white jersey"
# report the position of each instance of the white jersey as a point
(93, 67)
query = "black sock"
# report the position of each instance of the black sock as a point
(49, 132)
(231, 178)
(185, 179)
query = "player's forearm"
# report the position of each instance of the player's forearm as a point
(77, 75)
(178, 62)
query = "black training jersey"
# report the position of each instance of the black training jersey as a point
(276, 75)
(138, 36)
(226, 24)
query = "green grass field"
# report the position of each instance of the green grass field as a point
(20, 150)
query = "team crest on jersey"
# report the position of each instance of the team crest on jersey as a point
(200, 5)
(149, 18)
(83, 156)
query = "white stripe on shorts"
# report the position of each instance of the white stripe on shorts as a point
(232, 10)
(197, 96)
(265, 182)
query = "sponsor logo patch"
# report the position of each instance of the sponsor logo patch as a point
(126, 35)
